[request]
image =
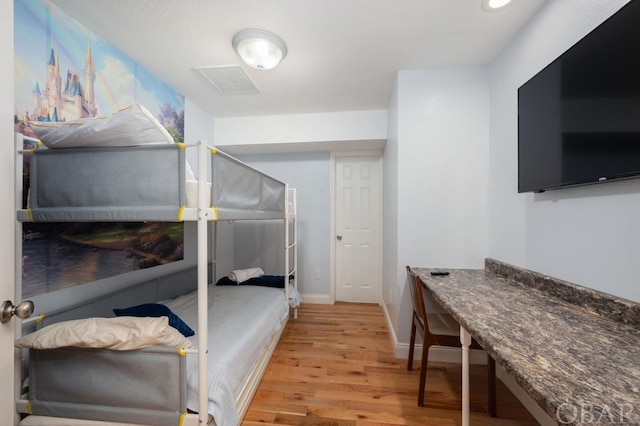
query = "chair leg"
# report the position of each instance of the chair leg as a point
(423, 372)
(492, 386)
(412, 343)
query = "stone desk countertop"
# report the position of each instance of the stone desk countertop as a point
(580, 366)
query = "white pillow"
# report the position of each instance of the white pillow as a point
(119, 333)
(131, 126)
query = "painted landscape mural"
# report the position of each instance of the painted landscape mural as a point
(64, 72)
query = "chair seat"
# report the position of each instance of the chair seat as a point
(442, 324)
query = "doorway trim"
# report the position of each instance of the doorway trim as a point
(332, 220)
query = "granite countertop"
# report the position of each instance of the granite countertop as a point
(576, 352)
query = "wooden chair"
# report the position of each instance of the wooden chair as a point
(441, 329)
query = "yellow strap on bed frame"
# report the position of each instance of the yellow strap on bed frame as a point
(28, 404)
(215, 213)
(182, 417)
(32, 150)
(30, 215)
(40, 318)
(181, 145)
(180, 213)
(214, 151)
(181, 352)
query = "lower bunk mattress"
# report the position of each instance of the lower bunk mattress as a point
(242, 320)
(242, 323)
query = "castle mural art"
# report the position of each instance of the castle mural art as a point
(64, 72)
(76, 100)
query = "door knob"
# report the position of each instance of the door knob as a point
(21, 310)
(339, 237)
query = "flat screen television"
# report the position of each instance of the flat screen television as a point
(579, 118)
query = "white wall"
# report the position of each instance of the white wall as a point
(391, 287)
(198, 126)
(587, 235)
(443, 132)
(442, 175)
(349, 130)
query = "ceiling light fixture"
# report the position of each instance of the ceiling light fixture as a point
(493, 5)
(259, 49)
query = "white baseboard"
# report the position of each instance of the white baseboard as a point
(316, 299)
(436, 353)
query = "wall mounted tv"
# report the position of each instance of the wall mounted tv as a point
(579, 118)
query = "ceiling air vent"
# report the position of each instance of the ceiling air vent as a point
(229, 80)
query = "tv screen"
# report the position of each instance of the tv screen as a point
(579, 118)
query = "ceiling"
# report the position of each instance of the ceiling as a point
(343, 55)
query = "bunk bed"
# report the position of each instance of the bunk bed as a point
(152, 182)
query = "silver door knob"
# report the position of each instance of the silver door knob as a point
(21, 310)
(339, 237)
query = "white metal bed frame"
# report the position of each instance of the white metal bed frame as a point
(202, 214)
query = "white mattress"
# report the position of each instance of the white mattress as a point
(241, 321)
(191, 193)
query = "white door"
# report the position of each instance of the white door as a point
(357, 219)
(7, 211)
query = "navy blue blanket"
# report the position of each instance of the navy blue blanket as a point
(275, 281)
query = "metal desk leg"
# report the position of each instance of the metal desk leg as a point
(465, 339)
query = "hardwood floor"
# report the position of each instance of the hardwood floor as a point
(335, 365)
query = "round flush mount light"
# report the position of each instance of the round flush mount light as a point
(259, 49)
(493, 5)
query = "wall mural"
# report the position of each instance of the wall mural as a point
(64, 72)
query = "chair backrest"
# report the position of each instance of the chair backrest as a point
(415, 285)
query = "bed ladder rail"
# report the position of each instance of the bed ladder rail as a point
(291, 242)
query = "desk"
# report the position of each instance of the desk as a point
(575, 351)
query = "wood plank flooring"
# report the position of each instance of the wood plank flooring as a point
(335, 366)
